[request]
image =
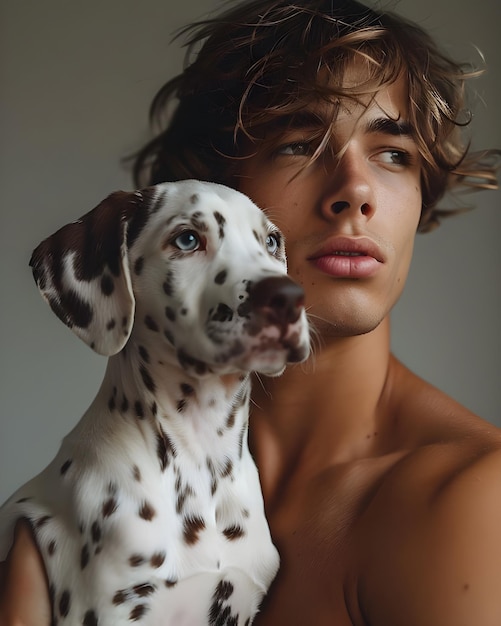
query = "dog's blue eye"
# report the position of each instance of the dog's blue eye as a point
(273, 242)
(188, 241)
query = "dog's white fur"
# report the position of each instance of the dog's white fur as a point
(152, 512)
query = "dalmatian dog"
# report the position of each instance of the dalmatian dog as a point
(151, 512)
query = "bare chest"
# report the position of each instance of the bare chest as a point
(318, 530)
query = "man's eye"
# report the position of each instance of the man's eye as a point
(187, 241)
(296, 148)
(396, 157)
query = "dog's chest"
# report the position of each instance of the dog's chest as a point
(180, 545)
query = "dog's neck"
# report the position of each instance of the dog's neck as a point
(198, 413)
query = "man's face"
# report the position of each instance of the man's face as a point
(349, 219)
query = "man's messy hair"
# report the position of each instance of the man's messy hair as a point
(263, 61)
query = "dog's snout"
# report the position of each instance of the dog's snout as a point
(279, 298)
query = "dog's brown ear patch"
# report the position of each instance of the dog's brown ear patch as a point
(82, 271)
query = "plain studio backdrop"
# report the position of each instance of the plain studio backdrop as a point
(76, 81)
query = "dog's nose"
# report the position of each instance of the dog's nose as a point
(279, 298)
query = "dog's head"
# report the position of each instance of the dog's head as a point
(193, 270)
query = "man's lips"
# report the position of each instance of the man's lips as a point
(348, 257)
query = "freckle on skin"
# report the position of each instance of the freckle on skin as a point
(466, 587)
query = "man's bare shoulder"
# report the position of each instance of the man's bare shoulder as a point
(431, 541)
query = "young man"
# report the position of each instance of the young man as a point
(382, 494)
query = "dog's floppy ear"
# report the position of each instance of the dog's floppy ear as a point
(82, 271)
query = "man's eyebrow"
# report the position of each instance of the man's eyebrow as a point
(387, 126)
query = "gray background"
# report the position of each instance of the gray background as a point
(76, 79)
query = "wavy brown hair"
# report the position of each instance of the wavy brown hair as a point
(263, 60)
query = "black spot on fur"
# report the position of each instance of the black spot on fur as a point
(143, 353)
(107, 285)
(138, 408)
(138, 265)
(147, 379)
(144, 590)
(95, 532)
(136, 472)
(157, 560)
(65, 467)
(51, 548)
(137, 612)
(71, 309)
(111, 404)
(151, 324)
(213, 474)
(147, 512)
(111, 324)
(192, 526)
(181, 405)
(221, 277)
(90, 619)
(165, 449)
(224, 590)
(136, 560)
(170, 337)
(168, 285)
(221, 222)
(186, 389)
(198, 223)
(220, 612)
(120, 597)
(64, 603)
(195, 198)
(170, 583)
(170, 314)
(84, 557)
(154, 408)
(233, 532)
(230, 421)
(109, 507)
(183, 493)
(227, 469)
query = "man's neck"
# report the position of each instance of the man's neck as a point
(326, 411)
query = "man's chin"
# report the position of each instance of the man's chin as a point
(346, 327)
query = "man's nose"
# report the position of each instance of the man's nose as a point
(348, 190)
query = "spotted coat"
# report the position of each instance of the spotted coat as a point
(151, 512)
